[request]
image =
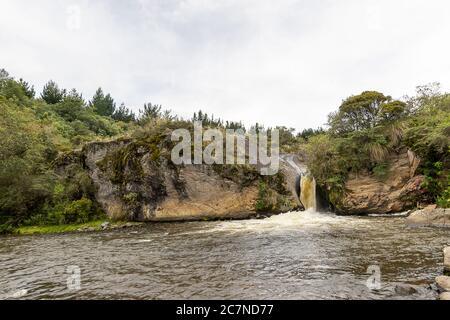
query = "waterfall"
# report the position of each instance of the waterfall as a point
(308, 192)
(305, 185)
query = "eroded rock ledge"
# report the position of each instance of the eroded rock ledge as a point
(135, 180)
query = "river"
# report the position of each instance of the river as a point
(298, 255)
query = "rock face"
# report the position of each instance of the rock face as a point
(397, 191)
(135, 180)
(431, 217)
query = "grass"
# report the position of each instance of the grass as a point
(49, 229)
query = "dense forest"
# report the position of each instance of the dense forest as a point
(36, 128)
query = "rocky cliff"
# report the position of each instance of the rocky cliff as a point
(135, 180)
(398, 190)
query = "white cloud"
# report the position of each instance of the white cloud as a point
(284, 62)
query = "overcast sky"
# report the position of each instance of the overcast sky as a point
(273, 62)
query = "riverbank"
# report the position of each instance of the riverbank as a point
(97, 225)
(411, 219)
(108, 224)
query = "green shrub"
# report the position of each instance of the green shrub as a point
(131, 198)
(381, 171)
(6, 228)
(444, 200)
(263, 203)
(78, 211)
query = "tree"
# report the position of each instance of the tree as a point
(124, 114)
(6, 80)
(310, 132)
(150, 112)
(25, 155)
(102, 104)
(234, 125)
(207, 120)
(11, 89)
(52, 94)
(167, 115)
(71, 107)
(4, 76)
(74, 95)
(427, 97)
(322, 161)
(257, 128)
(286, 135)
(392, 111)
(27, 89)
(358, 112)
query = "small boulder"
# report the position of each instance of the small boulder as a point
(405, 289)
(444, 296)
(105, 225)
(447, 259)
(443, 283)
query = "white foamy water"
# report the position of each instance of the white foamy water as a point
(296, 220)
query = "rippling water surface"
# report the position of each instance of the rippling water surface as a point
(293, 256)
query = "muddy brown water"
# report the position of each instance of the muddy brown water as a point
(298, 255)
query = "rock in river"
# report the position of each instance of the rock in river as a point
(430, 217)
(444, 296)
(405, 289)
(447, 260)
(443, 283)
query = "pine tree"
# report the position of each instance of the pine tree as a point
(4, 76)
(103, 105)
(27, 89)
(124, 114)
(52, 94)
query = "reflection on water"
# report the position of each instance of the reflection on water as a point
(293, 256)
